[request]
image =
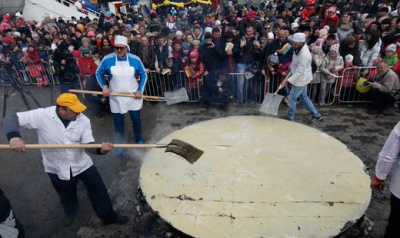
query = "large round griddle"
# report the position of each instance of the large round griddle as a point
(258, 177)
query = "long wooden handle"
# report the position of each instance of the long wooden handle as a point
(112, 94)
(280, 87)
(85, 146)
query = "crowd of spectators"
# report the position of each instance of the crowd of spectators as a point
(202, 42)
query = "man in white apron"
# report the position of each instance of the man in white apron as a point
(122, 68)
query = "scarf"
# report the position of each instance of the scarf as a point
(144, 52)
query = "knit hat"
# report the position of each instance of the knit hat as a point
(85, 39)
(85, 50)
(349, 39)
(334, 47)
(185, 46)
(294, 25)
(270, 36)
(331, 9)
(299, 37)
(323, 33)
(6, 40)
(179, 33)
(310, 2)
(181, 13)
(349, 58)
(376, 61)
(194, 54)
(274, 58)
(251, 14)
(391, 48)
(46, 15)
(7, 17)
(91, 33)
(177, 42)
(196, 42)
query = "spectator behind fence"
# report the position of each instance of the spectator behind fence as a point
(249, 45)
(391, 55)
(331, 65)
(384, 88)
(67, 74)
(218, 90)
(98, 103)
(194, 70)
(350, 76)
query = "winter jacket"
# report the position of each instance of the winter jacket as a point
(368, 55)
(350, 75)
(388, 82)
(329, 64)
(392, 60)
(86, 66)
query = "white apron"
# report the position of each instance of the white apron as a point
(124, 81)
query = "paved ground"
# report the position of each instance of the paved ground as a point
(36, 204)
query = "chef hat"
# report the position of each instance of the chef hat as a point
(299, 37)
(121, 40)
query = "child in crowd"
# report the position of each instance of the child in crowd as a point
(170, 75)
(373, 72)
(36, 68)
(194, 70)
(349, 79)
(86, 66)
(318, 57)
(256, 83)
(332, 64)
(272, 69)
(391, 55)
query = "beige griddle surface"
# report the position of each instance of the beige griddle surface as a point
(258, 177)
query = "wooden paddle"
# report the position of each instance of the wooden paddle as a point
(181, 148)
(180, 95)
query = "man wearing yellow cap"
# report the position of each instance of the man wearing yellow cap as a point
(65, 124)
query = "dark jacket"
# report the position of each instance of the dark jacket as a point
(161, 55)
(283, 58)
(212, 57)
(248, 53)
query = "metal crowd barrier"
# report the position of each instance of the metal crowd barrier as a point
(252, 89)
(158, 83)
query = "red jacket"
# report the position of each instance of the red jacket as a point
(86, 66)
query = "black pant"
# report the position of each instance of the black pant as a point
(380, 100)
(393, 227)
(67, 190)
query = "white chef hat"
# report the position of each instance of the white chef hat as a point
(121, 40)
(299, 37)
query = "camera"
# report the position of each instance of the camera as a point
(368, 81)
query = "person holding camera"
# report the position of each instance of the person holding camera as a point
(212, 53)
(249, 46)
(384, 88)
(67, 75)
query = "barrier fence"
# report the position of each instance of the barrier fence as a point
(247, 87)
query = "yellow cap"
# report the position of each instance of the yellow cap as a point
(71, 101)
